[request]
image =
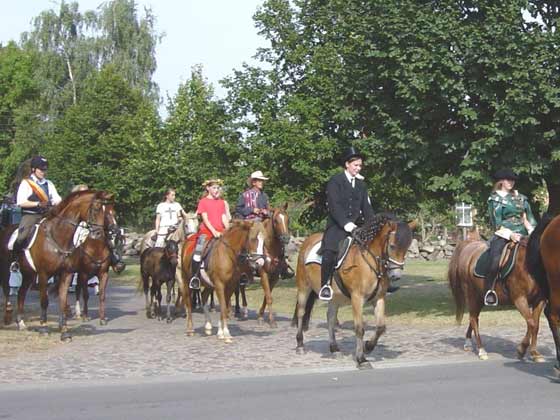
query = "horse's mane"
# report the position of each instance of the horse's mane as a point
(56, 210)
(533, 259)
(372, 227)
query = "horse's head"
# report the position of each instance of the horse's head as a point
(397, 245)
(280, 224)
(113, 232)
(171, 251)
(83, 206)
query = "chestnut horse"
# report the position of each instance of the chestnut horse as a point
(518, 288)
(543, 262)
(159, 266)
(52, 252)
(376, 254)
(94, 259)
(225, 263)
(276, 237)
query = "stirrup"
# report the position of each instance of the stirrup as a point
(326, 292)
(491, 298)
(243, 280)
(194, 283)
(14, 267)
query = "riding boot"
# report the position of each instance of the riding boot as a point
(327, 268)
(194, 283)
(497, 245)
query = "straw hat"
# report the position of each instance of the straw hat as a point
(212, 181)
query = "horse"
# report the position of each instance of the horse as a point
(375, 257)
(543, 262)
(519, 288)
(276, 237)
(225, 263)
(52, 252)
(159, 265)
(94, 259)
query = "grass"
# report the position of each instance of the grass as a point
(424, 299)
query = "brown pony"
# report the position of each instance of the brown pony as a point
(543, 262)
(226, 262)
(276, 237)
(94, 259)
(518, 288)
(159, 266)
(376, 255)
(53, 252)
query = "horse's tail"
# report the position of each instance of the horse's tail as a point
(309, 303)
(455, 284)
(533, 259)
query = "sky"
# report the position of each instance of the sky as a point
(219, 34)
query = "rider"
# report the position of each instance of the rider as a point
(214, 212)
(347, 201)
(35, 195)
(168, 214)
(511, 218)
(253, 204)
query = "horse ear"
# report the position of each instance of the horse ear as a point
(413, 224)
(285, 206)
(108, 196)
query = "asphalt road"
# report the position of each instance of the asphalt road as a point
(494, 390)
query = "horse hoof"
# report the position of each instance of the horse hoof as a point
(21, 326)
(334, 348)
(86, 318)
(300, 350)
(169, 320)
(368, 347)
(65, 337)
(190, 333)
(44, 331)
(482, 355)
(260, 321)
(538, 358)
(365, 365)
(228, 340)
(208, 332)
(103, 321)
(273, 324)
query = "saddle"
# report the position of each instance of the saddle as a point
(507, 261)
(314, 254)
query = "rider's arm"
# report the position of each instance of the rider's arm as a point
(226, 217)
(241, 209)
(335, 207)
(24, 191)
(54, 196)
(529, 220)
(158, 218)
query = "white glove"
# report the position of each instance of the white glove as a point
(349, 227)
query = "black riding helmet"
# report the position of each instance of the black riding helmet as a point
(39, 162)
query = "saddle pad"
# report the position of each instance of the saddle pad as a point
(312, 256)
(15, 233)
(483, 264)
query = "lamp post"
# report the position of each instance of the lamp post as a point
(463, 215)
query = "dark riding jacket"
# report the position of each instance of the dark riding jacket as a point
(345, 204)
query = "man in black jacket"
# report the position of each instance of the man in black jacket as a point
(347, 201)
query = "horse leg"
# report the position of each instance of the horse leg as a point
(206, 310)
(535, 355)
(523, 307)
(20, 314)
(474, 313)
(554, 324)
(85, 296)
(170, 290)
(223, 331)
(64, 283)
(357, 308)
(184, 291)
(468, 346)
(237, 311)
(77, 291)
(8, 307)
(44, 298)
(146, 287)
(267, 300)
(302, 296)
(380, 327)
(331, 322)
(103, 281)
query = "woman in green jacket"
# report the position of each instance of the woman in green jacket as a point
(511, 218)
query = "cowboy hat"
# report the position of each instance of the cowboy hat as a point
(258, 175)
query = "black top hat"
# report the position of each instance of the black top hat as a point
(350, 153)
(506, 173)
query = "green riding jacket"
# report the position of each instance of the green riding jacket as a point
(506, 212)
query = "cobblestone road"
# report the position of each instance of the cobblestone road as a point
(132, 347)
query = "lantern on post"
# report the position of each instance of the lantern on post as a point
(463, 215)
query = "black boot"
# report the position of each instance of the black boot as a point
(497, 245)
(194, 283)
(327, 268)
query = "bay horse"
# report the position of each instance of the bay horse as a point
(376, 255)
(518, 288)
(543, 262)
(276, 237)
(159, 266)
(225, 263)
(52, 252)
(94, 259)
